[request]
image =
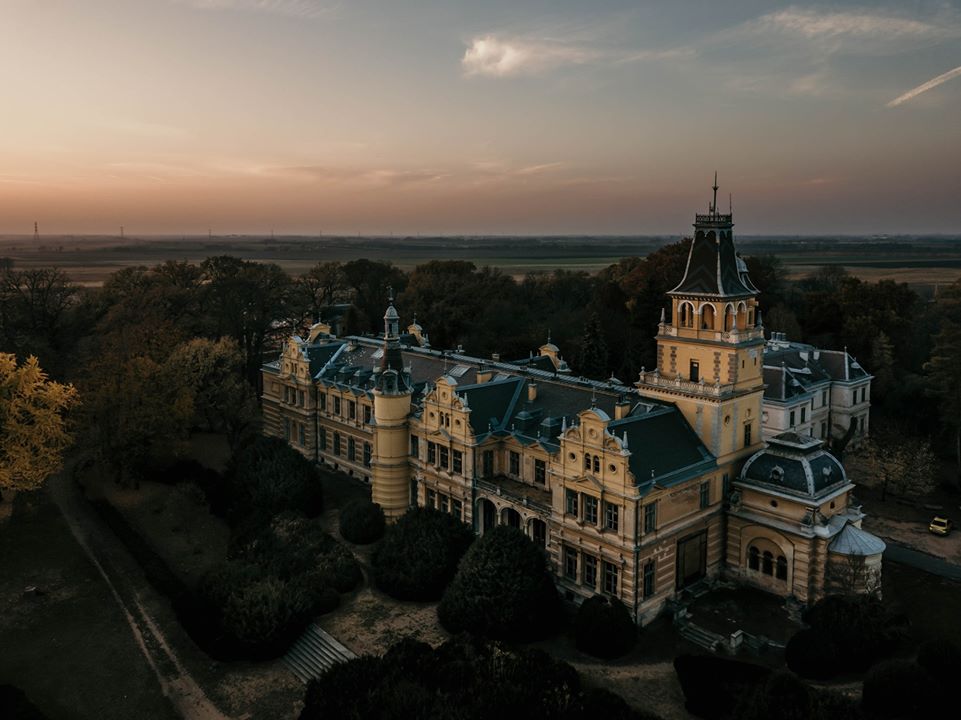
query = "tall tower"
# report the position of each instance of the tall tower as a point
(390, 472)
(709, 356)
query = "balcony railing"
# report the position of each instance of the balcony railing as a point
(518, 496)
(655, 379)
(728, 336)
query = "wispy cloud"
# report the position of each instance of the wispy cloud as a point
(924, 87)
(308, 9)
(852, 25)
(502, 57)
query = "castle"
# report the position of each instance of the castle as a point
(637, 492)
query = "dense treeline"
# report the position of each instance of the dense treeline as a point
(135, 337)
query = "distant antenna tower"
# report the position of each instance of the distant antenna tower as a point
(36, 232)
(121, 232)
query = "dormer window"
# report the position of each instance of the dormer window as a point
(777, 474)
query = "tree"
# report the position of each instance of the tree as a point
(944, 382)
(212, 373)
(781, 318)
(368, 281)
(33, 426)
(361, 522)
(593, 356)
(899, 464)
(502, 589)
(604, 628)
(324, 284)
(419, 554)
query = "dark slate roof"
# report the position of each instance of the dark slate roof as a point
(320, 355)
(803, 367)
(492, 404)
(664, 449)
(540, 362)
(794, 464)
(713, 267)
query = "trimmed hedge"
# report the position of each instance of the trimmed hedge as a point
(418, 556)
(362, 522)
(502, 590)
(465, 678)
(603, 627)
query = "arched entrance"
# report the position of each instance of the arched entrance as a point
(488, 515)
(538, 532)
(511, 517)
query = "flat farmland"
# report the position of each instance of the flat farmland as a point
(921, 262)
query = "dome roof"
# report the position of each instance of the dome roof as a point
(549, 347)
(794, 464)
(855, 541)
(391, 313)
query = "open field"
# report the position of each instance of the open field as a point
(922, 262)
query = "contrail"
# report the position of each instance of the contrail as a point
(924, 87)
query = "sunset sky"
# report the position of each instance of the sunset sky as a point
(493, 117)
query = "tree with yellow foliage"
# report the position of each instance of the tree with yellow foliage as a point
(33, 432)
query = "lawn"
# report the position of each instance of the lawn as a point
(70, 650)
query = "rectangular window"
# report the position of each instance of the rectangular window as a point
(336, 405)
(367, 454)
(414, 446)
(590, 571)
(458, 461)
(351, 448)
(610, 578)
(864, 393)
(286, 394)
(444, 503)
(726, 484)
(648, 579)
(824, 398)
(804, 412)
(571, 507)
(457, 509)
(705, 494)
(336, 443)
(791, 424)
(301, 398)
(286, 429)
(824, 427)
(695, 371)
(570, 563)
(323, 401)
(590, 510)
(611, 512)
(540, 471)
(351, 409)
(444, 457)
(367, 414)
(322, 438)
(747, 435)
(431, 498)
(431, 453)
(515, 463)
(650, 517)
(302, 435)
(488, 463)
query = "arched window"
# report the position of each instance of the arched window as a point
(728, 318)
(753, 558)
(781, 568)
(767, 564)
(597, 464)
(587, 461)
(686, 313)
(707, 317)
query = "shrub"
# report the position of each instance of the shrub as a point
(604, 628)
(361, 522)
(896, 689)
(813, 654)
(502, 589)
(846, 634)
(712, 686)
(267, 477)
(782, 696)
(466, 678)
(419, 554)
(942, 660)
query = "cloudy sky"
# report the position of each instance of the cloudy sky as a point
(493, 117)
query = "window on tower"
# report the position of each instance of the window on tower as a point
(695, 371)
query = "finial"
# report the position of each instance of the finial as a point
(714, 204)
(390, 294)
(593, 398)
(563, 424)
(548, 336)
(662, 315)
(730, 204)
(624, 441)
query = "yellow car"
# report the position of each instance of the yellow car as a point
(940, 526)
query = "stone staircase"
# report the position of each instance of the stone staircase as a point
(314, 652)
(699, 636)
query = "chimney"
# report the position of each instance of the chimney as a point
(496, 357)
(531, 391)
(484, 374)
(622, 408)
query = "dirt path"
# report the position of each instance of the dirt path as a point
(126, 583)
